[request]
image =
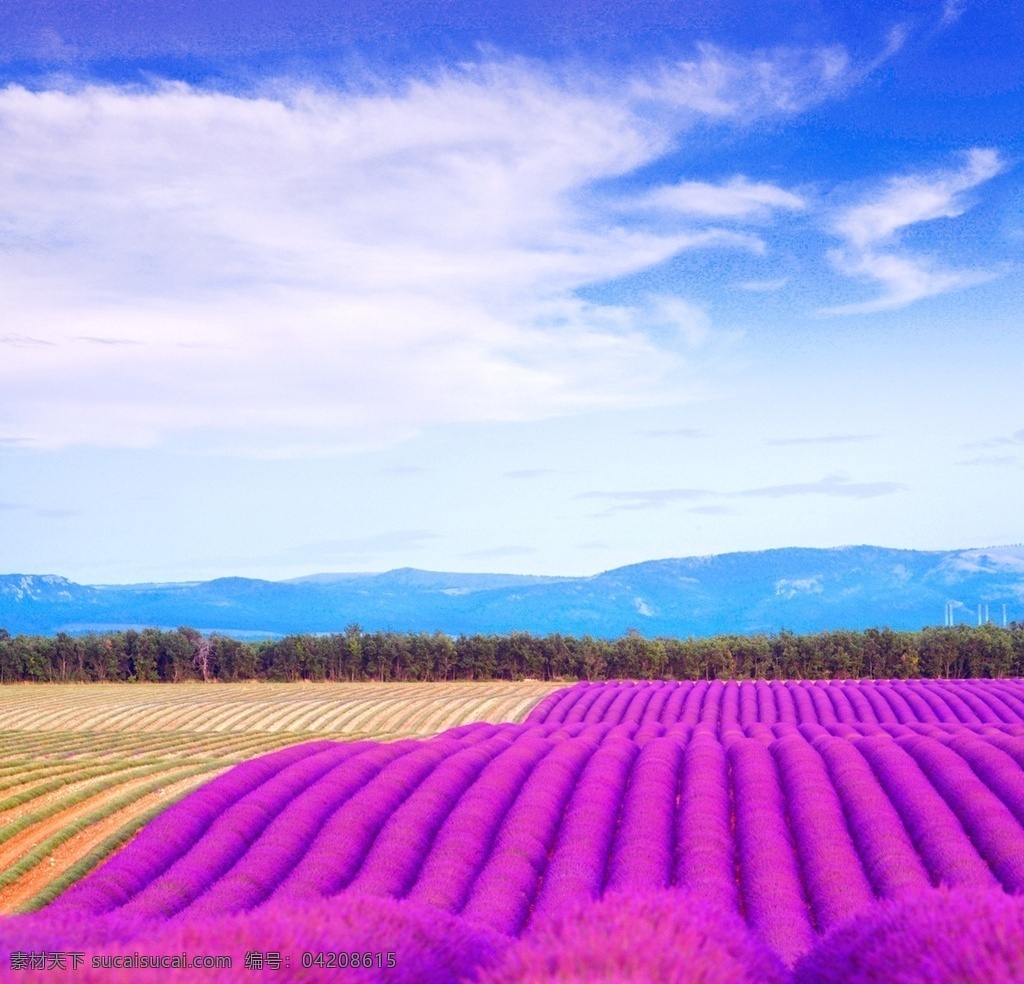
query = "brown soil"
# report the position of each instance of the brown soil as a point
(72, 850)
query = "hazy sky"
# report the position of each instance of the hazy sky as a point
(505, 287)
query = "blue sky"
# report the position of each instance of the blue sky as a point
(505, 287)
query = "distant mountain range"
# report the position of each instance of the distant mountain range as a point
(798, 589)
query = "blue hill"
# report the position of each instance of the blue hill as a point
(794, 588)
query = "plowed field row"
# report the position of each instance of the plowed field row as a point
(336, 708)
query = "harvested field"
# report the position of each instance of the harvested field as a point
(84, 766)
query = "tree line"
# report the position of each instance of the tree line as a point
(186, 654)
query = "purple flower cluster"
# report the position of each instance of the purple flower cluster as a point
(401, 941)
(938, 936)
(666, 937)
(789, 810)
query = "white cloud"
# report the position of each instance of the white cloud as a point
(871, 229)
(722, 84)
(906, 200)
(735, 199)
(952, 10)
(310, 271)
(825, 439)
(831, 485)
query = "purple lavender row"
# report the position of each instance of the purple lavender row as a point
(978, 712)
(748, 703)
(801, 702)
(617, 709)
(995, 832)
(465, 840)
(393, 862)
(689, 708)
(168, 836)
(859, 704)
(267, 862)
(705, 859)
(940, 706)
(919, 707)
(336, 852)
(881, 712)
(729, 716)
(886, 851)
(637, 709)
(576, 870)
(642, 855)
(1009, 692)
(850, 705)
(786, 708)
(836, 883)
(229, 836)
(946, 851)
(824, 708)
(502, 895)
(556, 704)
(829, 704)
(950, 695)
(596, 711)
(672, 711)
(988, 709)
(994, 767)
(580, 707)
(711, 708)
(767, 712)
(1012, 745)
(771, 889)
(656, 706)
(873, 708)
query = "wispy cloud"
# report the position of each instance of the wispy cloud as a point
(871, 230)
(952, 10)
(839, 485)
(825, 439)
(98, 340)
(990, 460)
(720, 83)
(647, 498)
(907, 200)
(1013, 440)
(528, 473)
(831, 485)
(404, 471)
(23, 341)
(738, 198)
(310, 271)
(675, 432)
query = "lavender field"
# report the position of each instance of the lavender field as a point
(758, 831)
